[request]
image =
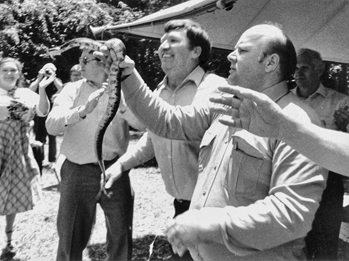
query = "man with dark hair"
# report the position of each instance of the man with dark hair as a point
(255, 198)
(184, 49)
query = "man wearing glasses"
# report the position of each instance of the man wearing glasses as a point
(76, 112)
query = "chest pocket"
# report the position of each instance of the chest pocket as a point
(211, 151)
(249, 174)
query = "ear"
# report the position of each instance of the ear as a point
(272, 62)
(321, 69)
(196, 52)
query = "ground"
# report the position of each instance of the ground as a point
(35, 235)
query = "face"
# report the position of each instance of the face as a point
(174, 52)
(307, 75)
(75, 76)
(89, 68)
(247, 67)
(9, 75)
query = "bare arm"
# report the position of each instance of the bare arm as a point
(35, 84)
(44, 103)
(326, 147)
(259, 115)
(58, 83)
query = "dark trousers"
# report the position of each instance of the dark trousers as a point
(322, 240)
(180, 207)
(79, 187)
(38, 151)
(42, 135)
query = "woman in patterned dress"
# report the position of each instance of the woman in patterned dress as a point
(19, 173)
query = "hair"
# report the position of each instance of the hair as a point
(49, 66)
(18, 65)
(284, 48)
(75, 68)
(313, 56)
(196, 34)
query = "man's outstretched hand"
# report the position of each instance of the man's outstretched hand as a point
(249, 110)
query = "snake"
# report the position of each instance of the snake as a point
(117, 52)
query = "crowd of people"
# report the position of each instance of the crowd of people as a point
(255, 167)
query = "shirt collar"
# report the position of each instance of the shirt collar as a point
(320, 91)
(277, 91)
(195, 76)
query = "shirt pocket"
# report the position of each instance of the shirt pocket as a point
(248, 177)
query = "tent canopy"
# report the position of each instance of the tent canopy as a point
(322, 25)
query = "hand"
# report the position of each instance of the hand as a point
(195, 226)
(92, 102)
(107, 88)
(46, 81)
(104, 59)
(248, 109)
(341, 118)
(41, 73)
(113, 173)
(128, 66)
(28, 115)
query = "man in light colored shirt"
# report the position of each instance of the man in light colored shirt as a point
(76, 112)
(184, 49)
(255, 198)
(322, 241)
(325, 101)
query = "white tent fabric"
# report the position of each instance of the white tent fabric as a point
(322, 25)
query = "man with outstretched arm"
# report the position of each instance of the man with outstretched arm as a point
(255, 197)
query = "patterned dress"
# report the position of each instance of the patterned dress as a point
(19, 173)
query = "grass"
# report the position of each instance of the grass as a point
(35, 236)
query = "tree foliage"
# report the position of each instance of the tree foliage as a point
(29, 27)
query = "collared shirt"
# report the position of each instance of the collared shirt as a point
(177, 159)
(325, 102)
(79, 134)
(267, 190)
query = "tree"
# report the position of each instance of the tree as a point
(29, 27)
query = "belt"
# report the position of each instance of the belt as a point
(107, 162)
(182, 201)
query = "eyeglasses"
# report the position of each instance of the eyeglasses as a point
(85, 60)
